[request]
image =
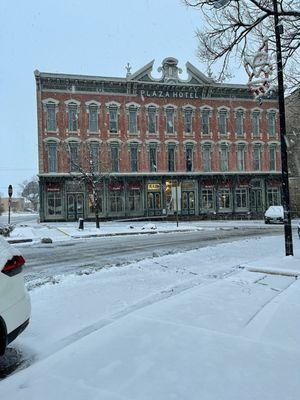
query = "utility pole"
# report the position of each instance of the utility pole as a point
(284, 162)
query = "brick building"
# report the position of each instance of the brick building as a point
(293, 135)
(146, 136)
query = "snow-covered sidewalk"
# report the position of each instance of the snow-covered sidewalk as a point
(198, 325)
(34, 232)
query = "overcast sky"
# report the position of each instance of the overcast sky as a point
(95, 37)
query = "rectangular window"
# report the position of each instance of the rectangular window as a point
(152, 120)
(113, 119)
(239, 123)
(256, 158)
(73, 117)
(170, 120)
(54, 203)
(116, 201)
(206, 154)
(51, 117)
(255, 123)
(272, 158)
(241, 158)
(224, 198)
(273, 196)
(224, 158)
(94, 157)
(205, 121)
(189, 158)
(74, 162)
(134, 200)
(132, 117)
(93, 118)
(114, 154)
(271, 123)
(153, 158)
(223, 122)
(207, 199)
(241, 198)
(188, 114)
(92, 202)
(52, 157)
(134, 158)
(171, 158)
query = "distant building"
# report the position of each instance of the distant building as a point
(293, 134)
(17, 204)
(214, 141)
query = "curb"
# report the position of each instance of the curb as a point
(15, 241)
(133, 233)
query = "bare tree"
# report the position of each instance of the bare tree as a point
(89, 174)
(30, 191)
(237, 29)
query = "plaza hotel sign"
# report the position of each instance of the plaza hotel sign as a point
(172, 94)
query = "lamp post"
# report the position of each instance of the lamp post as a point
(284, 164)
(10, 192)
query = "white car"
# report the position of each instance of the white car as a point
(15, 305)
(274, 214)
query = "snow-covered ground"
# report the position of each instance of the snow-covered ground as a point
(195, 325)
(62, 231)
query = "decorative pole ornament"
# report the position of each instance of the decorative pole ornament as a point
(260, 69)
(128, 69)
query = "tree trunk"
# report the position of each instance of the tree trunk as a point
(97, 219)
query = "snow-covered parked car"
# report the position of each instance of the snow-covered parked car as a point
(274, 214)
(15, 305)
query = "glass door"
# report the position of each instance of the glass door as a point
(188, 203)
(75, 206)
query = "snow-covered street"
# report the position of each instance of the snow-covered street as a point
(193, 325)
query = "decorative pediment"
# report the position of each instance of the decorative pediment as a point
(170, 74)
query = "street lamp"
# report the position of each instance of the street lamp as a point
(284, 164)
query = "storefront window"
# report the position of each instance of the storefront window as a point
(116, 201)
(207, 199)
(54, 203)
(241, 198)
(224, 198)
(273, 195)
(92, 204)
(134, 200)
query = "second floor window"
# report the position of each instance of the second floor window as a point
(272, 158)
(94, 157)
(171, 158)
(271, 123)
(113, 119)
(153, 158)
(73, 117)
(256, 158)
(224, 158)
(134, 158)
(239, 123)
(114, 157)
(255, 123)
(52, 157)
(170, 112)
(189, 158)
(188, 115)
(152, 119)
(51, 117)
(74, 157)
(241, 158)
(223, 122)
(132, 120)
(206, 155)
(93, 118)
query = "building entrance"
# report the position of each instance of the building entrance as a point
(256, 203)
(75, 206)
(188, 202)
(154, 203)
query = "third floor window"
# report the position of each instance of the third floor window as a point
(113, 119)
(170, 113)
(271, 123)
(188, 115)
(223, 129)
(255, 123)
(152, 119)
(239, 123)
(132, 120)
